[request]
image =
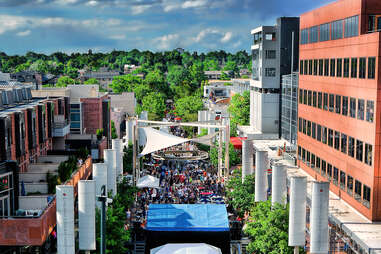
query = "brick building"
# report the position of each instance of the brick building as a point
(339, 88)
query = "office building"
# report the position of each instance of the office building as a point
(338, 125)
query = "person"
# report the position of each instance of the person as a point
(128, 215)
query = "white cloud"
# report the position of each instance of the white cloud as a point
(138, 9)
(166, 42)
(23, 33)
(118, 37)
(204, 33)
(227, 37)
(92, 3)
(237, 44)
(194, 4)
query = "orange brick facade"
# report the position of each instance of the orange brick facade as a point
(359, 169)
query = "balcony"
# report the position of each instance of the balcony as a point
(61, 126)
(33, 230)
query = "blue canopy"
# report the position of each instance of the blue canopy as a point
(199, 217)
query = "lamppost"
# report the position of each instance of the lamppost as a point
(105, 200)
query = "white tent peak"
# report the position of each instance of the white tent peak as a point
(186, 248)
(148, 182)
(157, 140)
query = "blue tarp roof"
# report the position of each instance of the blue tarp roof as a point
(173, 217)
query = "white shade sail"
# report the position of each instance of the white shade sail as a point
(148, 182)
(157, 140)
(186, 248)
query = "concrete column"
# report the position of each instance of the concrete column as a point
(279, 184)
(117, 146)
(261, 175)
(110, 160)
(100, 178)
(247, 158)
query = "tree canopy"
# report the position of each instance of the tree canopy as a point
(239, 108)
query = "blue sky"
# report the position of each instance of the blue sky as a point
(48, 26)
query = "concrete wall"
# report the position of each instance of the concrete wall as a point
(52, 159)
(35, 187)
(33, 202)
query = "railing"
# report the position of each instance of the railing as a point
(33, 231)
(60, 124)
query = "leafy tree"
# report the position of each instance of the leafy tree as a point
(211, 65)
(127, 159)
(91, 81)
(188, 107)
(154, 103)
(64, 81)
(125, 83)
(232, 67)
(156, 81)
(268, 229)
(239, 109)
(114, 134)
(224, 76)
(141, 91)
(241, 194)
(233, 155)
(100, 133)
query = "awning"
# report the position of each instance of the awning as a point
(237, 142)
(186, 248)
(148, 182)
(157, 140)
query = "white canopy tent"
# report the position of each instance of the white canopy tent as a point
(157, 140)
(148, 182)
(186, 248)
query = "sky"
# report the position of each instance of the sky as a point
(48, 26)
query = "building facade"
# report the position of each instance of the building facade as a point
(338, 104)
(289, 112)
(272, 57)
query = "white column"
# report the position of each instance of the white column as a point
(129, 130)
(199, 119)
(279, 184)
(247, 158)
(211, 117)
(86, 215)
(261, 175)
(100, 178)
(297, 213)
(65, 219)
(319, 218)
(110, 160)
(117, 146)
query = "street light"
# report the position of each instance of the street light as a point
(105, 200)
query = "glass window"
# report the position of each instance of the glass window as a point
(299, 152)
(304, 36)
(324, 32)
(344, 143)
(335, 175)
(366, 196)
(346, 67)
(368, 154)
(353, 67)
(320, 67)
(314, 34)
(362, 67)
(305, 97)
(312, 160)
(351, 147)
(314, 99)
(317, 164)
(305, 67)
(371, 67)
(333, 67)
(309, 128)
(270, 72)
(309, 98)
(270, 54)
(320, 100)
(303, 154)
(345, 106)
(308, 157)
(324, 135)
(350, 185)
(300, 124)
(309, 67)
(358, 186)
(304, 126)
(270, 36)
(318, 132)
(329, 171)
(338, 104)
(352, 112)
(326, 67)
(339, 67)
(337, 140)
(323, 167)
(351, 26)
(371, 23)
(331, 102)
(315, 67)
(342, 180)
(325, 102)
(313, 130)
(330, 137)
(336, 30)
(369, 111)
(359, 150)
(300, 95)
(301, 67)
(360, 109)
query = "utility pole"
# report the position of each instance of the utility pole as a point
(103, 199)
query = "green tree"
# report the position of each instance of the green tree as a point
(140, 91)
(232, 67)
(127, 159)
(156, 81)
(241, 194)
(239, 109)
(114, 134)
(233, 155)
(64, 81)
(91, 81)
(154, 103)
(188, 107)
(268, 229)
(125, 83)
